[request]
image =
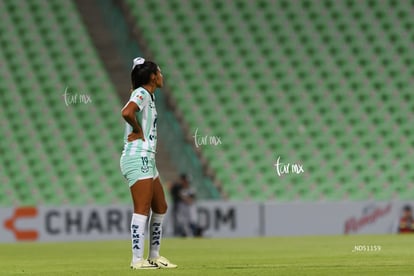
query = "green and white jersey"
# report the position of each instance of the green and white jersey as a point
(147, 118)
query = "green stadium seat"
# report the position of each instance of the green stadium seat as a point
(324, 98)
(61, 54)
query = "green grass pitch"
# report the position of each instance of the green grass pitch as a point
(316, 255)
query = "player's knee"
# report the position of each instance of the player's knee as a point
(160, 208)
(164, 208)
(142, 208)
(142, 211)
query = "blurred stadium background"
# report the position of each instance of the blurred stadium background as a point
(326, 84)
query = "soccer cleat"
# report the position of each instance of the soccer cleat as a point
(161, 262)
(143, 264)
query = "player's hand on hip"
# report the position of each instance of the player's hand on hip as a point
(135, 136)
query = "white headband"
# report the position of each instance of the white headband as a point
(137, 61)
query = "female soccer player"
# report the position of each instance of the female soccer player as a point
(138, 164)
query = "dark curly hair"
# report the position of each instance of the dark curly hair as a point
(141, 73)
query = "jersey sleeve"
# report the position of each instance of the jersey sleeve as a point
(140, 98)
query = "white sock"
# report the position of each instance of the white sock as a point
(155, 230)
(138, 223)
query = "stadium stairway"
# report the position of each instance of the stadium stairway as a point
(130, 42)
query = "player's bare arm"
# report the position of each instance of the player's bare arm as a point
(128, 113)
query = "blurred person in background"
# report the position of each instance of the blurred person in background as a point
(184, 212)
(406, 222)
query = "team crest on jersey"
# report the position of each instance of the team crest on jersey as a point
(144, 167)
